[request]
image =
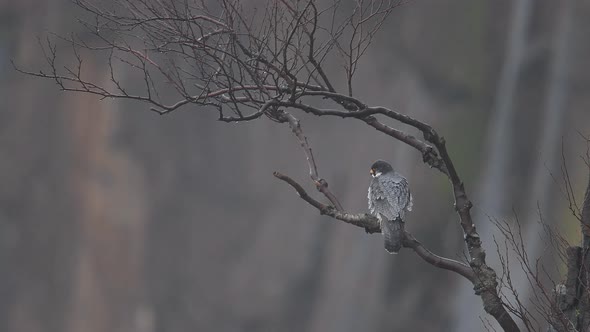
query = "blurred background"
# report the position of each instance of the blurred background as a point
(113, 218)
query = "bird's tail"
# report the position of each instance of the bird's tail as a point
(393, 233)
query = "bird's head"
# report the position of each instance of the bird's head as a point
(380, 167)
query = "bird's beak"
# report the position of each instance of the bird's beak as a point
(372, 171)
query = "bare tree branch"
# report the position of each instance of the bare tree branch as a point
(371, 225)
(586, 218)
(244, 65)
(321, 184)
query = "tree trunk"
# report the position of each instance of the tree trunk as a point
(492, 196)
(542, 194)
(572, 310)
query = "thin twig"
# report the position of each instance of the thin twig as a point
(321, 184)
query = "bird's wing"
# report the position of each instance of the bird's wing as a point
(375, 194)
(379, 205)
(397, 193)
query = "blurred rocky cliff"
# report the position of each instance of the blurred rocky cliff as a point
(113, 218)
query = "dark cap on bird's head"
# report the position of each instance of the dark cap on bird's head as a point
(380, 167)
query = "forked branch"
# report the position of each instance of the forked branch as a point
(371, 225)
(321, 184)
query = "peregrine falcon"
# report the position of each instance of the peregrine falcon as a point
(389, 197)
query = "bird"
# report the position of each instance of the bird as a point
(389, 198)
